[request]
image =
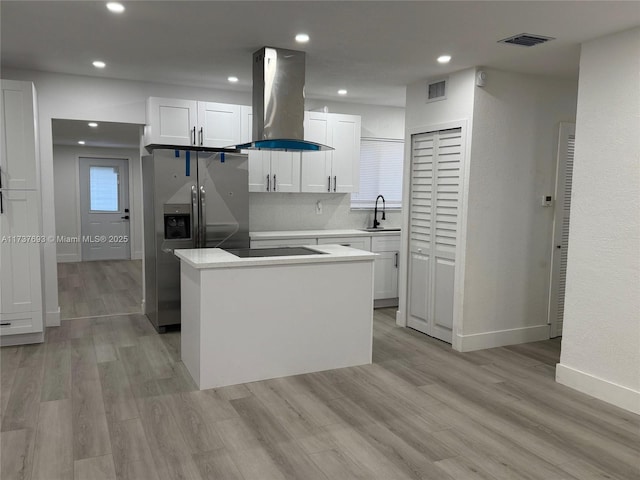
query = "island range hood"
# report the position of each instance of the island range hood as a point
(278, 102)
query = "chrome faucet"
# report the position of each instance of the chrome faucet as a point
(375, 212)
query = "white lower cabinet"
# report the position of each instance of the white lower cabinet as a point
(361, 243)
(386, 266)
(20, 276)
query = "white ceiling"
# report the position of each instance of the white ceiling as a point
(374, 49)
(106, 134)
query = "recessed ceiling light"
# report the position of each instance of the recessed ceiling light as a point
(342, 91)
(444, 58)
(115, 7)
(99, 64)
(233, 79)
(93, 124)
(302, 38)
(81, 142)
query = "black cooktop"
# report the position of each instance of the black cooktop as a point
(272, 252)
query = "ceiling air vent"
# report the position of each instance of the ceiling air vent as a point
(437, 91)
(526, 40)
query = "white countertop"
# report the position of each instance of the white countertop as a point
(217, 258)
(286, 234)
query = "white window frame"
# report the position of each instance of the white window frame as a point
(368, 204)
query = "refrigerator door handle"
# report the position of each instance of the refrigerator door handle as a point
(194, 210)
(201, 223)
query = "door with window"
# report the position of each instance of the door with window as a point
(104, 209)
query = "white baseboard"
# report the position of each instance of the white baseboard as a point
(599, 388)
(500, 338)
(68, 257)
(52, 319)
(401, 321)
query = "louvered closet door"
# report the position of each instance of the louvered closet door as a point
(435, 194)
(564, 179)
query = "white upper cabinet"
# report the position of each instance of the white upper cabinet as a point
(171, 121)
(219, 124)
(334, 171)
(316, 169)
(269, 171)
(273, 171)
(18, 153)
(285, 171)
(190, 123)
(345, 165)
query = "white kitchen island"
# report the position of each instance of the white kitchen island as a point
(249, 319)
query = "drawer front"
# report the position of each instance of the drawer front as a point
(361, 243)
(23, 324)
(385, 243)
(289, 242)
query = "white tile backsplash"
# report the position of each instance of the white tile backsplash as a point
(297, 211)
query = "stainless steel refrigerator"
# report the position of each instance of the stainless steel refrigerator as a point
(192, 199)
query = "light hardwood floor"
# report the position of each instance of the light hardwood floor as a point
(106, 287)
(108, 398)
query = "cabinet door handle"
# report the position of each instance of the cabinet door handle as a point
(335, 183)
(329, 187)
(268, 180)
(5, 324)
(274, 182)
(1, 204)
(201, 136)
(396, 259)
(193, 136)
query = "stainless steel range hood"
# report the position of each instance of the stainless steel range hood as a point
(278, 102)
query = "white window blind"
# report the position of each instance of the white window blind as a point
(103, 189)
(380, 173)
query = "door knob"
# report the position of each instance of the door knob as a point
(126, 217)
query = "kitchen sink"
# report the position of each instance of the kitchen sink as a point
(380, 229)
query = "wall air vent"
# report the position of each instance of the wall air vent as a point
(437, 91)
(526, 40)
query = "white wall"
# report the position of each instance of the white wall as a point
(108, 100)
(377, 121)
(601, 332)
(66, 194)
(457, 106)
(297, 211)
(422, 116)
(508, 239)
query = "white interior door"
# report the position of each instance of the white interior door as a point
(435, 195)
(564, 177)
(104, 209)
